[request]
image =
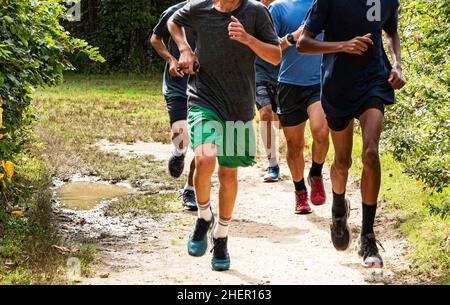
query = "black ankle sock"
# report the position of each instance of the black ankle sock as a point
(369, 212)
(316, 170)
(300, 186)
(339, 208)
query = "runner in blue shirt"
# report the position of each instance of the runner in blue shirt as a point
(298, 101)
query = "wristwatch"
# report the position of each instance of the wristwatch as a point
(290, 39)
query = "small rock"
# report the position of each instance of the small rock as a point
(82, 222)
(104, 275)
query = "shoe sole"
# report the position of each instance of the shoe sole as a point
(303, 212)
(315, 203)
(270, 180)
(190, 209)
(220, 268)
(176, 174)
(373, 266)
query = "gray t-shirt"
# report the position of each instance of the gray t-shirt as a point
(226, 80)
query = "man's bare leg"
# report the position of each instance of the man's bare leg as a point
(371, 125)
(321, 143)
(343, 144)
(180, 139)
(227, 198)
(268, 138)
(205, 161)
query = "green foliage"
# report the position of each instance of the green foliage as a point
(34, 50)
(121, 29)
(418, 128)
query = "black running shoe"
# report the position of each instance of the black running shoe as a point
(340, 230)
(198, 241)
(220, 259)
(368, 250)
(189, 200)
(176, 165)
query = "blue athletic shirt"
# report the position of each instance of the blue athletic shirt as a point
(296, 68)
(348, 80)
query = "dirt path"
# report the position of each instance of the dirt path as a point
(268, 244)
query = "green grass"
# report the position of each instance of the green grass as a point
(427, 233)
(72, 117)
(154, 205)
(85, 109)
(26, 254)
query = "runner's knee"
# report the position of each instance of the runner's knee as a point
(320, 134)
(205, 163)
(295, 148)
(371, 157)
(342, 164)
(227, 176)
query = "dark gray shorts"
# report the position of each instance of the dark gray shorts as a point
(266, 94)
(293, 103)
(177, 109)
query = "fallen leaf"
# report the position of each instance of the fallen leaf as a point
(8, 166)
(17, 213)
(82, 222)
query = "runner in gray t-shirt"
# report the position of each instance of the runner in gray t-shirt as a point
(230, 34)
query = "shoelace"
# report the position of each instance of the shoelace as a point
(370, 246)
(318, 186)
(220, 246)
(302, 199)
(187, 196)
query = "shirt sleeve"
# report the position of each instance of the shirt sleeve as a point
(265, 30)
(161, 29)
(391, 24)
(276, 19)
(184, 16)
(317, 17)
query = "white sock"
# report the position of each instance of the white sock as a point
(179, 152)
(188, 187)
(221, 230)
(273, 162)
(204, 211)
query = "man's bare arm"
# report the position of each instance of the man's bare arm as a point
(160, 48)
(307, 44)
(266, 51)
(396, 79)
(187, 56)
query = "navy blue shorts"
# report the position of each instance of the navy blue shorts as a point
(341, 123)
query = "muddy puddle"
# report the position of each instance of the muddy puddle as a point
(84, 196)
